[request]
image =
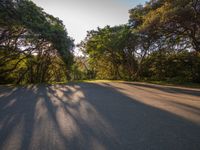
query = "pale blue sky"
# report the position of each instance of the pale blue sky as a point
(80, 16)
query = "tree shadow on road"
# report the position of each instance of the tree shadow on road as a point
(17, 117)
(88, 116)
(168, 89)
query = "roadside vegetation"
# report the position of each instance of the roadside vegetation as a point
(159, 43)
(34, 46)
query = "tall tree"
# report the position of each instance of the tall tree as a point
(31, 36)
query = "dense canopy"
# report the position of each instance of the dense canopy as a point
(34, 45)
(160, 41)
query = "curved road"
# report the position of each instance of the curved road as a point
(99, 116)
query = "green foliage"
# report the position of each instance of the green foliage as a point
(110, 52)
(80, 69)
(182, 66)
(161, 42)
(178, 20)
(35, 46)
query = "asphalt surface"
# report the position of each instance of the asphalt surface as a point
(99, 116)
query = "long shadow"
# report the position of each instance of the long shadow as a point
(171, 98)
(187, 107)
(17, 118)
(87, 116)
(93, 130)
(167, 89)
(140, 126)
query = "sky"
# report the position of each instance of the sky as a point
(80, 16)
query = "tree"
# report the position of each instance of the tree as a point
(110, 51)
(32, 38)
(178, 20)
(157, 33)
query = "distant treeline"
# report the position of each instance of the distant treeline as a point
(161, 41)
(34, 46)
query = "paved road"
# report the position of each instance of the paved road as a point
(99, 116)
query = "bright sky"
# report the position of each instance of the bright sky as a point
(80, 16)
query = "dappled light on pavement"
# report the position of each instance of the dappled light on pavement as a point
(99, 116)
(183, 102)
(60, 118)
